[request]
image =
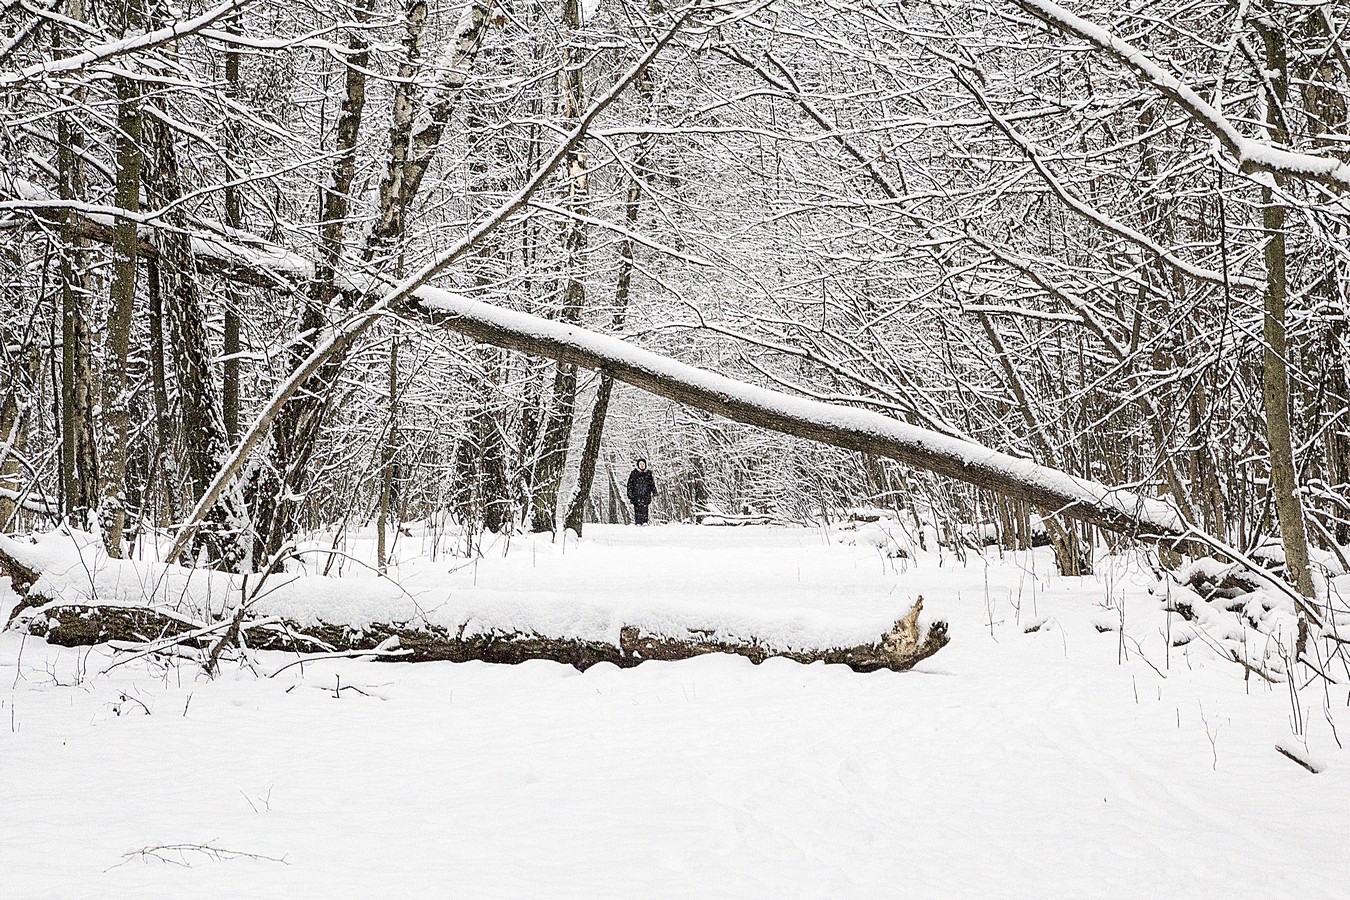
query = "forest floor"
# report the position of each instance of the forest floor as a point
(1078, 759)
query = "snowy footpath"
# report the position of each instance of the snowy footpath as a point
(1059, 747)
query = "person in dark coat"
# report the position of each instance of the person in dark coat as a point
(641, 490)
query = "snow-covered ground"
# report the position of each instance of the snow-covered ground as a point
(1068, 761)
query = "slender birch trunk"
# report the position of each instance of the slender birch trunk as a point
(292, 441)
(391, 222)
(558, 425)
(410, 154)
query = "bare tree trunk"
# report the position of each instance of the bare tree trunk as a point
(18, 379)
(1328, 116)
(165, 412)
(410, 154)
(458, 62)
(853, 429)
(1071, 557)
(79, 450)
(485, 488)
(117, 343)
(1275, 379)
(391, 224)
(234, 218)
(297, 425)
(576, 509)
(1338, 435)
(206, 446)
(388, 450)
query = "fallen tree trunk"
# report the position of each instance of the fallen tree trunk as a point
(1114, 509)
(76, 625)
(851, 428)
(223, 252)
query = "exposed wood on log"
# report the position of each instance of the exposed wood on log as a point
(23, 578)
(1114, 509)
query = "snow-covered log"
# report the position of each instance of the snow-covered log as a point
(73, 625)
(217, 250)
(89, 599)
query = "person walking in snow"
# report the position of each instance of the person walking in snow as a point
(641, 490)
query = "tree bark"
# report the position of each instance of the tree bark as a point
(483, 493)
(409, 155)
(459, 61)
(388, 451)
(79, 448)
(391, 223)
(234, 219)
(853, 429)
(297, 425)
(73, 623)
(1275, 377)
(122, 301)
(899, 649)
(165, 411)
(206, 446)
(18, 379)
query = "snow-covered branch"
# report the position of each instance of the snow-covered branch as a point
(1250, 155)
(123, 46)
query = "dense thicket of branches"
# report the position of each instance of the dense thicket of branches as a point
(1110, 238)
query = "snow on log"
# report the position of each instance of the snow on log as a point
(257, 262)
(73, 594)
(851, 428)
(1111, 508)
